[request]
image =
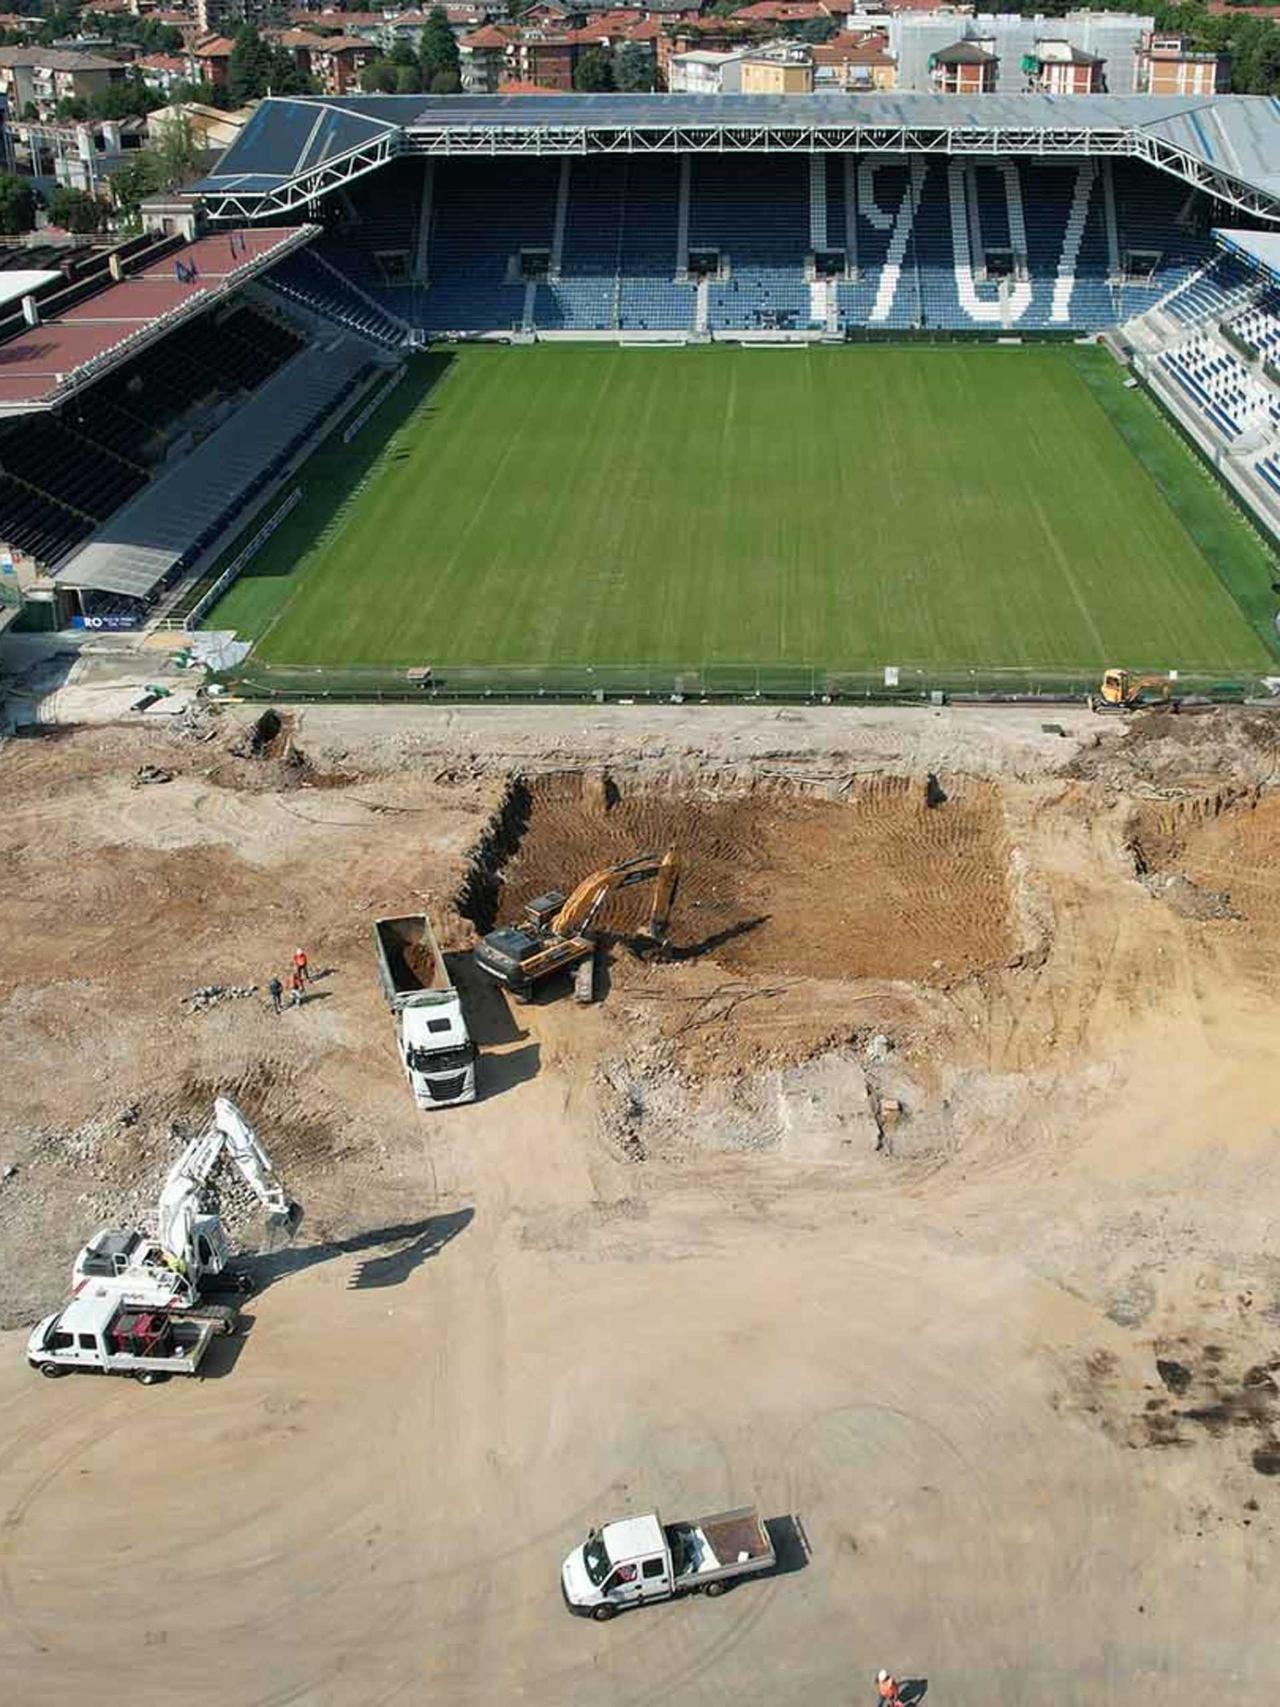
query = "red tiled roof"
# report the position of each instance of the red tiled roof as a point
(853, 50)
(217, 47)
(489, 35)
(162, 62)
(781, 11)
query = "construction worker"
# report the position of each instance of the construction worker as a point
(297, 987)
(887, 1688)
(300, 965)
(276, 991)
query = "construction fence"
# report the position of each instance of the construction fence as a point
(813, 684)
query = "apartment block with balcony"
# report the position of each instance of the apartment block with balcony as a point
(1169, 65)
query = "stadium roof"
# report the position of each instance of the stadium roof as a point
(72, 347)
(1260, 248)
(295, 149)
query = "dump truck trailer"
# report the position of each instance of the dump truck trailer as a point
(435, 1046)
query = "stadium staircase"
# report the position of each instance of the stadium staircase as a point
(996, 245)
(317, 285)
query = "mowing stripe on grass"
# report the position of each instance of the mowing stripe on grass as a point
(842, 508)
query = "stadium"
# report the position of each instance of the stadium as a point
(677, 396)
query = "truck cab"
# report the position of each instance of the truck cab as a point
(439, 1056)
(431, 1029)
(618, 1566)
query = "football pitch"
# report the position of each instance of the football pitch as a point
(940, 507)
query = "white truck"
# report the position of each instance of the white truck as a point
(101, 1335)
(638, 1559)
(189, 1255)
(431, 1030)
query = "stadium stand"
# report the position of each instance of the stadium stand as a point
(163, 530)
(305, 279)
(594, 244)
(66, 472)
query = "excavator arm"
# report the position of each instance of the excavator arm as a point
(582, 908)
(1120, 691)
(179, 1206)
(521, 956)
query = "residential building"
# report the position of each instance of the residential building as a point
(337, 61)
(224, 17)
(1012, 41)
(212, 129)
(210, 61)
(775, 12)
(162, 72)
(778, 68)
(482, 58)
(40, 77)
(855, 63)
(1060, 68)
(704, 35)
(1169, 65)
(81, 156)
(704, 71)
(544, 57)
(964, 68)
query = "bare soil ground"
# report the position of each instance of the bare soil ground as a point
(927, 1194)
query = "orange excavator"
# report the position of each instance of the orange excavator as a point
(1121, 691)
(556, 933)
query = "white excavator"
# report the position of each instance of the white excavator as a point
(189, 1254)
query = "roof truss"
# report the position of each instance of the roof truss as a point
(493, 141)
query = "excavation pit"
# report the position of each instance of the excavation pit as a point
(884, 882)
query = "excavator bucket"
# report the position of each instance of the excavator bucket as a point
(286, 1220)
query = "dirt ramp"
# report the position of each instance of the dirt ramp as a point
(898, 878)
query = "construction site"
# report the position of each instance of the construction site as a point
(867, 1118)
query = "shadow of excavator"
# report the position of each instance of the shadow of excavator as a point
(393, 1252)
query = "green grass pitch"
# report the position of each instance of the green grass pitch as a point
(840, 508)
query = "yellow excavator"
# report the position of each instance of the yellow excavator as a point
(556, 933)
(1121, 691)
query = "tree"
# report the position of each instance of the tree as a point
(174, 155)
(250, 66)
(134, 182)
(128, 99)
(379, 77)
(633, 68)
(17, 205)
(445, 83)
(72, 107)
(203, 93)
(285, 78)
(408, 80)
(817, 30)
(438, 52)
(593, 73)
(77, 210)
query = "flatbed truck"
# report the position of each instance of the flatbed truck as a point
(638, 1559)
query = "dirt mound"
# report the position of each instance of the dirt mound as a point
(877, 884)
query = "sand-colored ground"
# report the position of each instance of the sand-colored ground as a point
(936, 1210)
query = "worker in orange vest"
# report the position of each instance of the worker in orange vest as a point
(887, 1687)
(300, 965)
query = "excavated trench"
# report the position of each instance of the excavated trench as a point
(903, 878)
(1215, 855)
